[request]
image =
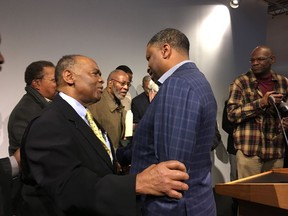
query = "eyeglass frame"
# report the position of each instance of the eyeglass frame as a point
(260, 59)
(49, 79)
(122, 83)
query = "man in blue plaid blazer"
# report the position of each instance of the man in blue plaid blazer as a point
(179, 124)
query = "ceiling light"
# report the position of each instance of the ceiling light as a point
(234, 3)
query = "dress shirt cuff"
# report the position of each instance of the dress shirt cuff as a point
(14, 166)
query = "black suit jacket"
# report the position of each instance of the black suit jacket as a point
(5, 187)
(139, 106)
(68, 169)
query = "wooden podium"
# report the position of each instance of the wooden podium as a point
(265, 194)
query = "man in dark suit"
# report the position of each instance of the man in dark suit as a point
(40, 89)
(67, 170)
(179, 124)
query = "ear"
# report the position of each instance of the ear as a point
(273, 59)
(36, 84)
(68, 77)
(110, 84)
(166, 50)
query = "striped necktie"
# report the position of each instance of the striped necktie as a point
(97, 131)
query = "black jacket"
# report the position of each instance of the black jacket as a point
(30, 106)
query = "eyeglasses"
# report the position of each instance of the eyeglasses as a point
(260, 59)
(122, 83)
(49, 79)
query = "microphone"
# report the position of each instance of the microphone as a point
(284, 109)
(271, 99)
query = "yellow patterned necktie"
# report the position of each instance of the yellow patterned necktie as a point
(96, 130)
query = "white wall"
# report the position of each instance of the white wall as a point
(116, 32)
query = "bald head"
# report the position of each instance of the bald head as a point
(116, 74)
(263, 49)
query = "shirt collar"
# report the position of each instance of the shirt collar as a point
(168, 73)
(78, 107)
(48, 100)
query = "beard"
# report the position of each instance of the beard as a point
(117, 94)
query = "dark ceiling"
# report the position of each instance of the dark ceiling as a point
(277, 7)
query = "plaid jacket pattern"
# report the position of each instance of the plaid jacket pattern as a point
(179, 125)
(257, 132)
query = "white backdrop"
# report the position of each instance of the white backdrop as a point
(115, 32)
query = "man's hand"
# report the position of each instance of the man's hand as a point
(276, 98)
(151, 94)
(17, 156)
(165, 178)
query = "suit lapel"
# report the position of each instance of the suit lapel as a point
(103, 131)
(84, 130)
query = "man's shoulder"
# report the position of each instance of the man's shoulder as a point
(139, 97)
(186, 76)
(101, 108)
(26, 100)
(101, 104)
(55, 112)
(244, 77)
(25, 106)
(279, 76)
(105, 98)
